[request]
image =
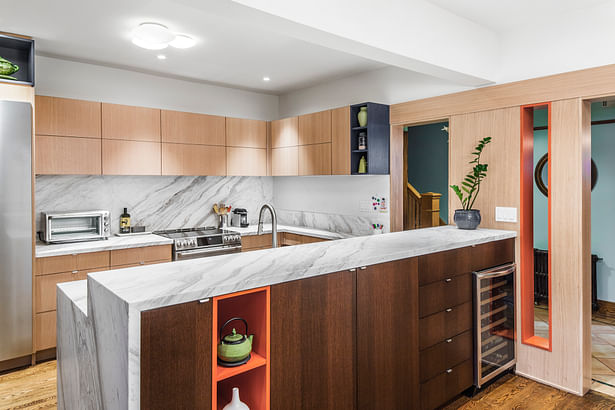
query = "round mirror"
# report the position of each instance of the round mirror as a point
(541, 175)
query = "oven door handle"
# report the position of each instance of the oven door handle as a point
(198, 253)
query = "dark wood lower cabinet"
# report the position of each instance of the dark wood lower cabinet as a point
(313, 328)
(387, 336)
(176, 357)
(446, 385)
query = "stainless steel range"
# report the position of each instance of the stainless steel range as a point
(201, 242)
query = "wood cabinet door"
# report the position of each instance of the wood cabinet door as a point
(315, 128)
(285, 132)
(67, 155)
(387, 335)
(191, 128)
(187, 159)
(246, 161)
(121, 157)
(127, 122)
(67, 117)
(315, 159)
(340, 141)
(313, 343)
(246, 133)
(176, 355)
(285, 161)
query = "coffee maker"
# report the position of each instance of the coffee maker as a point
(240, 218)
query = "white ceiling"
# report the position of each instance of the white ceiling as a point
(227, 52)
(503, 15)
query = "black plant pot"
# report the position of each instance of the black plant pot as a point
(467, 219)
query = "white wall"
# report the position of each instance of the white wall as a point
(62, 78)
(388, 85)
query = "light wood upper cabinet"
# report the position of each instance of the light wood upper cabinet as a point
(285, 133)
(315, 128)
(315, 159)
(246, 133)
(246, 161)
(285, 161)
(340, 141)
(120, 157)
(188, 159)
(191, 128)
(67, 117)
(67, 155)
(126, 122)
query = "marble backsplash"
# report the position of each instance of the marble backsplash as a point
(347, 224)
(158, 202)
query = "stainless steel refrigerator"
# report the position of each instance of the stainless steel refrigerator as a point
(15, 230)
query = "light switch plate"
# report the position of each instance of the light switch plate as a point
(505, 214)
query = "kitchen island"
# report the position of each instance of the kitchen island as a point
(100, 359)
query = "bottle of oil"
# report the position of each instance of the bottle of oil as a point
(125, 222)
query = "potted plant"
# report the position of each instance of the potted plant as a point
(467, 217)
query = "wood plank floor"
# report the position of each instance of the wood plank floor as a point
(35, 388)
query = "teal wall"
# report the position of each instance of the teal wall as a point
(602, 199)
(428, 161)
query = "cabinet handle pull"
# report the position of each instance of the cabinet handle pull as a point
(363, 267)
(141, 263)
(447, 280)
(204, 300)
(449, 340)
(352, 270)
(449, 371)
(449, 310)
(75, 271)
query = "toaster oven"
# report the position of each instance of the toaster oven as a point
(75, 226)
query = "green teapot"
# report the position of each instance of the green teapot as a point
(7, 68)
(234, 348)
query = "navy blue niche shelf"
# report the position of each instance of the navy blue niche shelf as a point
(19, 51)
(378, 133)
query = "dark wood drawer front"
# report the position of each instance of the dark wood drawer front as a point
(445, 293)
(444, 325)
(488, 255)
(446, 385)
(439, 266)
(445, 355)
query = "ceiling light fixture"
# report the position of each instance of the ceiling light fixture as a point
(155, 36)
(266, 79)
(161, 57)
(182, 41)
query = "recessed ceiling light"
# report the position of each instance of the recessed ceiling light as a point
(161, 57)
(182, 41)
(266, 79)
(152, 36)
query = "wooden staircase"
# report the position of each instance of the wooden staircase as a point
(421, 210)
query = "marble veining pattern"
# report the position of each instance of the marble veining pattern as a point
(114, 242)
(351, 225)
(158, 202)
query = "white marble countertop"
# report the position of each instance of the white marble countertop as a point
(154, 286)
(137, 241)
(114, 242)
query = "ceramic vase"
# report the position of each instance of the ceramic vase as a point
(362, 117)
(236, 403)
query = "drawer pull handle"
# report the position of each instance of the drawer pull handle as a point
(352, 270)
(448, 280)
(449, 340)
(449, 310)
(75, 271)
(449, 371)
(141, 263)
(204, 300)
(363, 267)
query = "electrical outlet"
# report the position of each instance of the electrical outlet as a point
(505, 214)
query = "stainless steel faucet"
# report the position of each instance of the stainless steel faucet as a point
(274, 224)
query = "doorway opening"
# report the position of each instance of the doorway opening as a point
(426, 188)
(602, 245)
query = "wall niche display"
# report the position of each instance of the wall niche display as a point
(541, 175)
(16, 59)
